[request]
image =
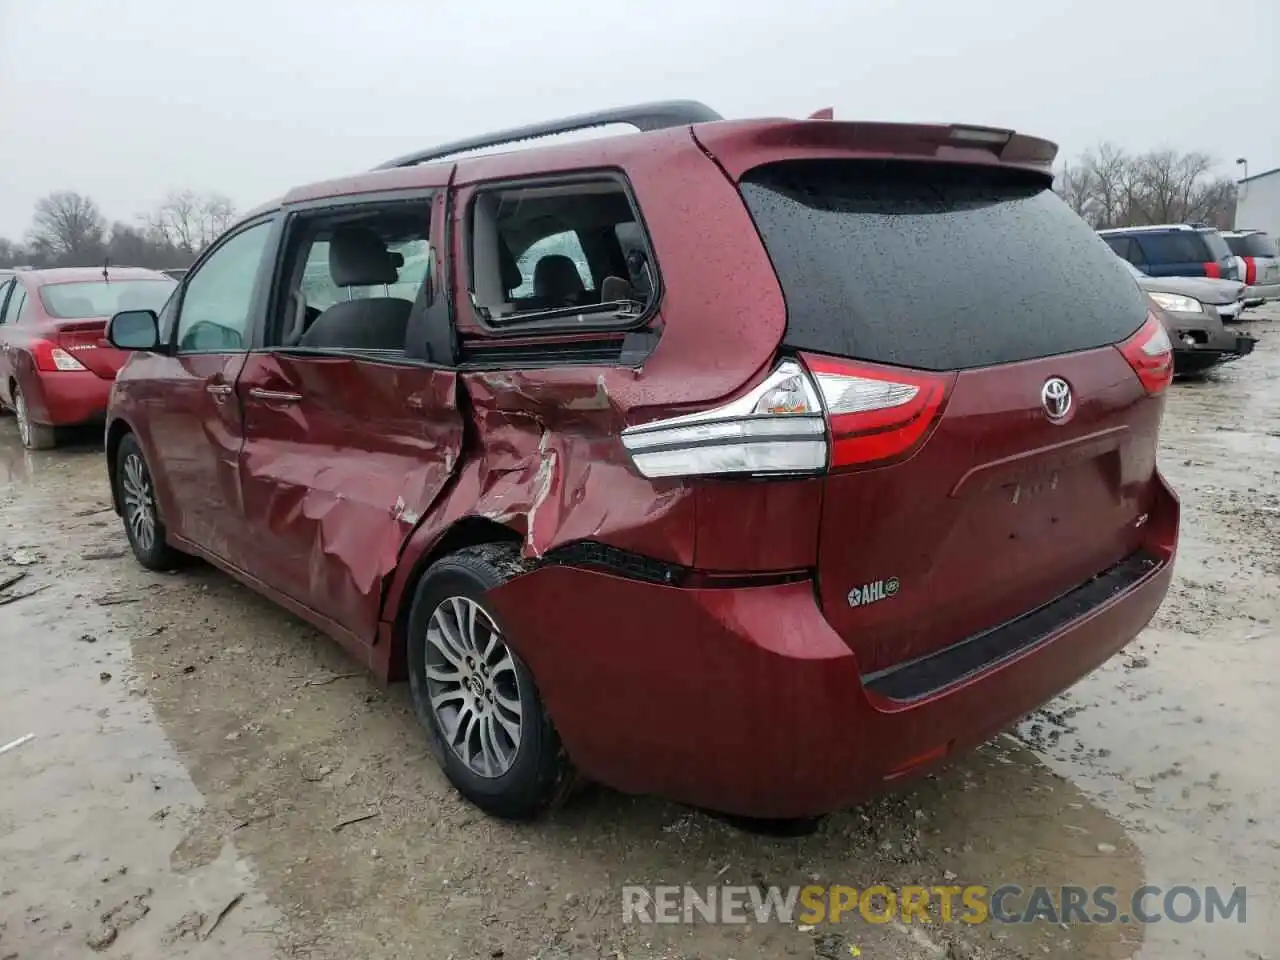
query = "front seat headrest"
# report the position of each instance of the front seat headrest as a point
(359, 258)
(556, 277)
(511, 276)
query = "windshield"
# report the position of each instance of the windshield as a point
(1252, 245)
(103, 298)
(1137, 274)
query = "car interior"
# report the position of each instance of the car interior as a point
(357, 279)
(565, 249)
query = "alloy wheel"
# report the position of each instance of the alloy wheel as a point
(473, 687)
(139, 502)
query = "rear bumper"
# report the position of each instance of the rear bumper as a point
(1197, 359)
(746, 701)
(67, 397)
(1262, 291)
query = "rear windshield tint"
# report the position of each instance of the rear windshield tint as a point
(1217, 246)
(1253, 245)
(100, 298)
(936, 267)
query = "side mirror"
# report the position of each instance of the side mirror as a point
(134, 330)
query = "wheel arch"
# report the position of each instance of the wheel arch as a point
(469, 531)
(117, 430)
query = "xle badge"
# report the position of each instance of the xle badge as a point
(873, 591)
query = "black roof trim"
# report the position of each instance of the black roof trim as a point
(645, 117)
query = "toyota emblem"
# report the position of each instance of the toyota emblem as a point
(1055, 395)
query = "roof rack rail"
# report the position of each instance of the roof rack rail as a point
(644, 117)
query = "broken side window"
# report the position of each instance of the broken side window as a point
(564, 252)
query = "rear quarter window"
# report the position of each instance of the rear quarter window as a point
(1217, 246)
(936, 267)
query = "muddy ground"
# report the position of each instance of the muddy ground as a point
(199, 756)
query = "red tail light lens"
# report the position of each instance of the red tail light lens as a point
(1250, 271)
(50, 358)
(1150, 353)
(876, 413)
(1213, 270)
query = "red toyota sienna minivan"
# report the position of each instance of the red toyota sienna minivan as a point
(753, 464)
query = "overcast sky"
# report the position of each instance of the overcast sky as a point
(127, 99)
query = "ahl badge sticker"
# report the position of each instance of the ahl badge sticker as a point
(873, 591)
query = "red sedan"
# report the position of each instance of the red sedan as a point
(56, 368)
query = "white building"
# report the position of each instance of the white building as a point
(1258, 203)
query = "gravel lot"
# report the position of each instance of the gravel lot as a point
(197, 752)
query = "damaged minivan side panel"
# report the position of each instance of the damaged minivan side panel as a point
(542, 456)
(349, 439)
(335, 482)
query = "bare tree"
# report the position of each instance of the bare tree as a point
(1169, 179)
(219, 214)
(1111, 188)
(10, 253)
(176, 220)
(67, 226)
(190, 221)
(1075, 185)
(1214, 203)
(135, 247)
(1106, 167)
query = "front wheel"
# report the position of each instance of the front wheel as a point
(135, 492)
(34, 436)
(475, 696)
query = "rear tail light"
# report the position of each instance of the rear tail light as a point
(1212, 269)
(876, 413)
(1250, 271)
(1150, 353)
(50, 358)
(775, 429)
(796, 422)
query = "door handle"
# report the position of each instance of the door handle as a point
(219, 391)
(274, 396)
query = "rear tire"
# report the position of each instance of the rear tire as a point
(135, 492)
(473, 694)
(34, 436)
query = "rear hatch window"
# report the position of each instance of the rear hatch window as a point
(936, 267)
(102, 298)
(1218, 249)
(1253, 245)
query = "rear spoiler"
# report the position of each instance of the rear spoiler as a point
(741, 146)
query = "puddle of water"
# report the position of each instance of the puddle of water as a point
(92, 805)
